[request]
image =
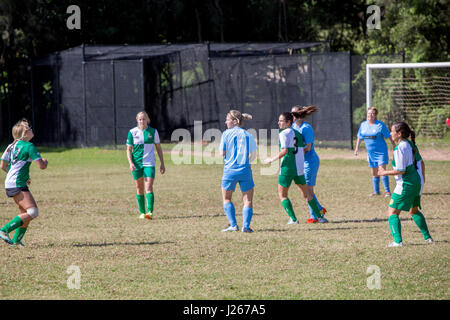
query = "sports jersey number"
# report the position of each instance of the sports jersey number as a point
(296, 145)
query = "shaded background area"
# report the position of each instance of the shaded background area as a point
(262, 56)
(89, 95)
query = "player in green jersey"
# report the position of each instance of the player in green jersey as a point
(16, 161)
(292, 166)
(406, 196)
(141, 141)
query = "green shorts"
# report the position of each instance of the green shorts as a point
(404, 202)
(146, 172)
(285, 181)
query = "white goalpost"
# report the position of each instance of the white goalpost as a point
(422, 96)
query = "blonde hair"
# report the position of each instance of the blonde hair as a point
(240, 117)
(18, 131)
(145, 115)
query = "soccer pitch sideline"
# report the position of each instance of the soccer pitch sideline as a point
(88, 242)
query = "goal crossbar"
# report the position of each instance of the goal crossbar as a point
(371, 66)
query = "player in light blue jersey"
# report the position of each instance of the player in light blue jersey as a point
(238, 147)
(312, 161)
(374, 132)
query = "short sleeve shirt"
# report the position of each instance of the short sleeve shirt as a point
(307, 131)
(20, 155)
(292, 163)
(143, 142)
(374, 136)
(237, 143)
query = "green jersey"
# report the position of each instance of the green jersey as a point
(292, 163)
(20, 155)
(143, 142)
(403, 160)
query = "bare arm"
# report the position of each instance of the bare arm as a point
(358, 142)
(280, 155)
(392, 142)
(162, 168)
(423, 170)
(383, 172)
(42, 163)
(130, 159)
(4, 166)
(308, 147)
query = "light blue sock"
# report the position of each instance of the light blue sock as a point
(228, 207)
(311, 213)
(385, 180)
(247, 214)
(376, 184)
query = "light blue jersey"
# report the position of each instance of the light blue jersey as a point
(312, 161)
(237, 144)
(374, 136)
(307, 132)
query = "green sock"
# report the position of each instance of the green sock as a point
(141, 202)
(420, 221)
(315, 207)
(150, 201)
(12, 225)
(18, 235)
(396, 227)
(287, 205)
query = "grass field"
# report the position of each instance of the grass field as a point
(88, 219)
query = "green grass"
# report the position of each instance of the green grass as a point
(88, 218)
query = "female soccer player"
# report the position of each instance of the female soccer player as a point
(141, 158)
(373, 132)
(406, 195)
(292, 166)
(16, 161)
(239, 149)
(312, 160)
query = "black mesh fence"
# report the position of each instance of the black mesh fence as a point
(90, 95)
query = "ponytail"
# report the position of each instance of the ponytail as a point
(406, 132)
(304, 111)
(239, 117)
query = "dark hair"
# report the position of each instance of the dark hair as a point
(406, 132)
(304, 111)
(289, 116)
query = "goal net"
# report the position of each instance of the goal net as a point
(418, 93)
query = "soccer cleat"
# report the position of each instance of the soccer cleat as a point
(387, 194)
(323, 211)
(15, 244)
(142, 216)
(395, 244)
(248, 230)
(323, 220)
(230, 228)
(292, 221)
(429, 240)
(311, 220)
(149, 215)
(5, 237)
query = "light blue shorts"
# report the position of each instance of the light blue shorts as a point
(377, 159)
(245, 183)
(310, 171)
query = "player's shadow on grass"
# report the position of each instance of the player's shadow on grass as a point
(109, 244)
(406, 218)
(436, 193)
